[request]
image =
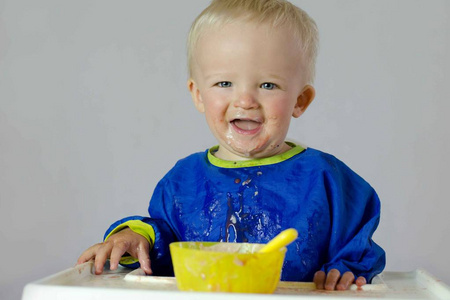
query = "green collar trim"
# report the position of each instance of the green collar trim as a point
(296, 149)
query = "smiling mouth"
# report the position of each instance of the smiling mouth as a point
(245, 126)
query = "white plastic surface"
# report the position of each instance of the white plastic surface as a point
(80, 283)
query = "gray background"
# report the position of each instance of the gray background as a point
(94, 110)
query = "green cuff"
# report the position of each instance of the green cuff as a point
(295, 149)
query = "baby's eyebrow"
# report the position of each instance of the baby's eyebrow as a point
(275, 76)
(216, 76)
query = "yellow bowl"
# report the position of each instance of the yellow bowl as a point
(226, 267)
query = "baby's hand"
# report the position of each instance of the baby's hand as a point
(333, 280)
(114, 247)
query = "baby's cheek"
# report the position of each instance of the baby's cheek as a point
(274, 121)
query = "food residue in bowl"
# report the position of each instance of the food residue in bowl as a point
(232, 247)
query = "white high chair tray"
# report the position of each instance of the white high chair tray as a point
(80, 283)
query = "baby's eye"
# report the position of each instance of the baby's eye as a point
(268, 85)
(224, 84)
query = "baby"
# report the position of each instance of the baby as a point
(251, 66)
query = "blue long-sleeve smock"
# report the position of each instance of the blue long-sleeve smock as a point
(203, 198)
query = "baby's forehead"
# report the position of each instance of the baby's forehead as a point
(242, 33)
(238, 27)
(247, 48)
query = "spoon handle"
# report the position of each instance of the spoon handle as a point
(283, 239)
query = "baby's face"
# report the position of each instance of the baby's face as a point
(248, 81)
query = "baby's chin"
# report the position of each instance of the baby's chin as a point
(234, 152)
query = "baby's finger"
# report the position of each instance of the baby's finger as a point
(360, 281)
(87, 255)
(332, 279)
(84, 258)
(319, 280)
(345, 281)
(116, 255)
(144, 258)
(102, 254)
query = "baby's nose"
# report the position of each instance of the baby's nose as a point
(246, 100)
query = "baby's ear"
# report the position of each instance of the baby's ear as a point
(304, 100)
(195, 94)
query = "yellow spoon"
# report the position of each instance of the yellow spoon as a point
(283, 239)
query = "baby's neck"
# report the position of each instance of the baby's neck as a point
(225, 154)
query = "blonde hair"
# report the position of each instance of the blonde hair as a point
(276, 13)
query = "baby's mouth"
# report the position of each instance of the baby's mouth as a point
(246, 126)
